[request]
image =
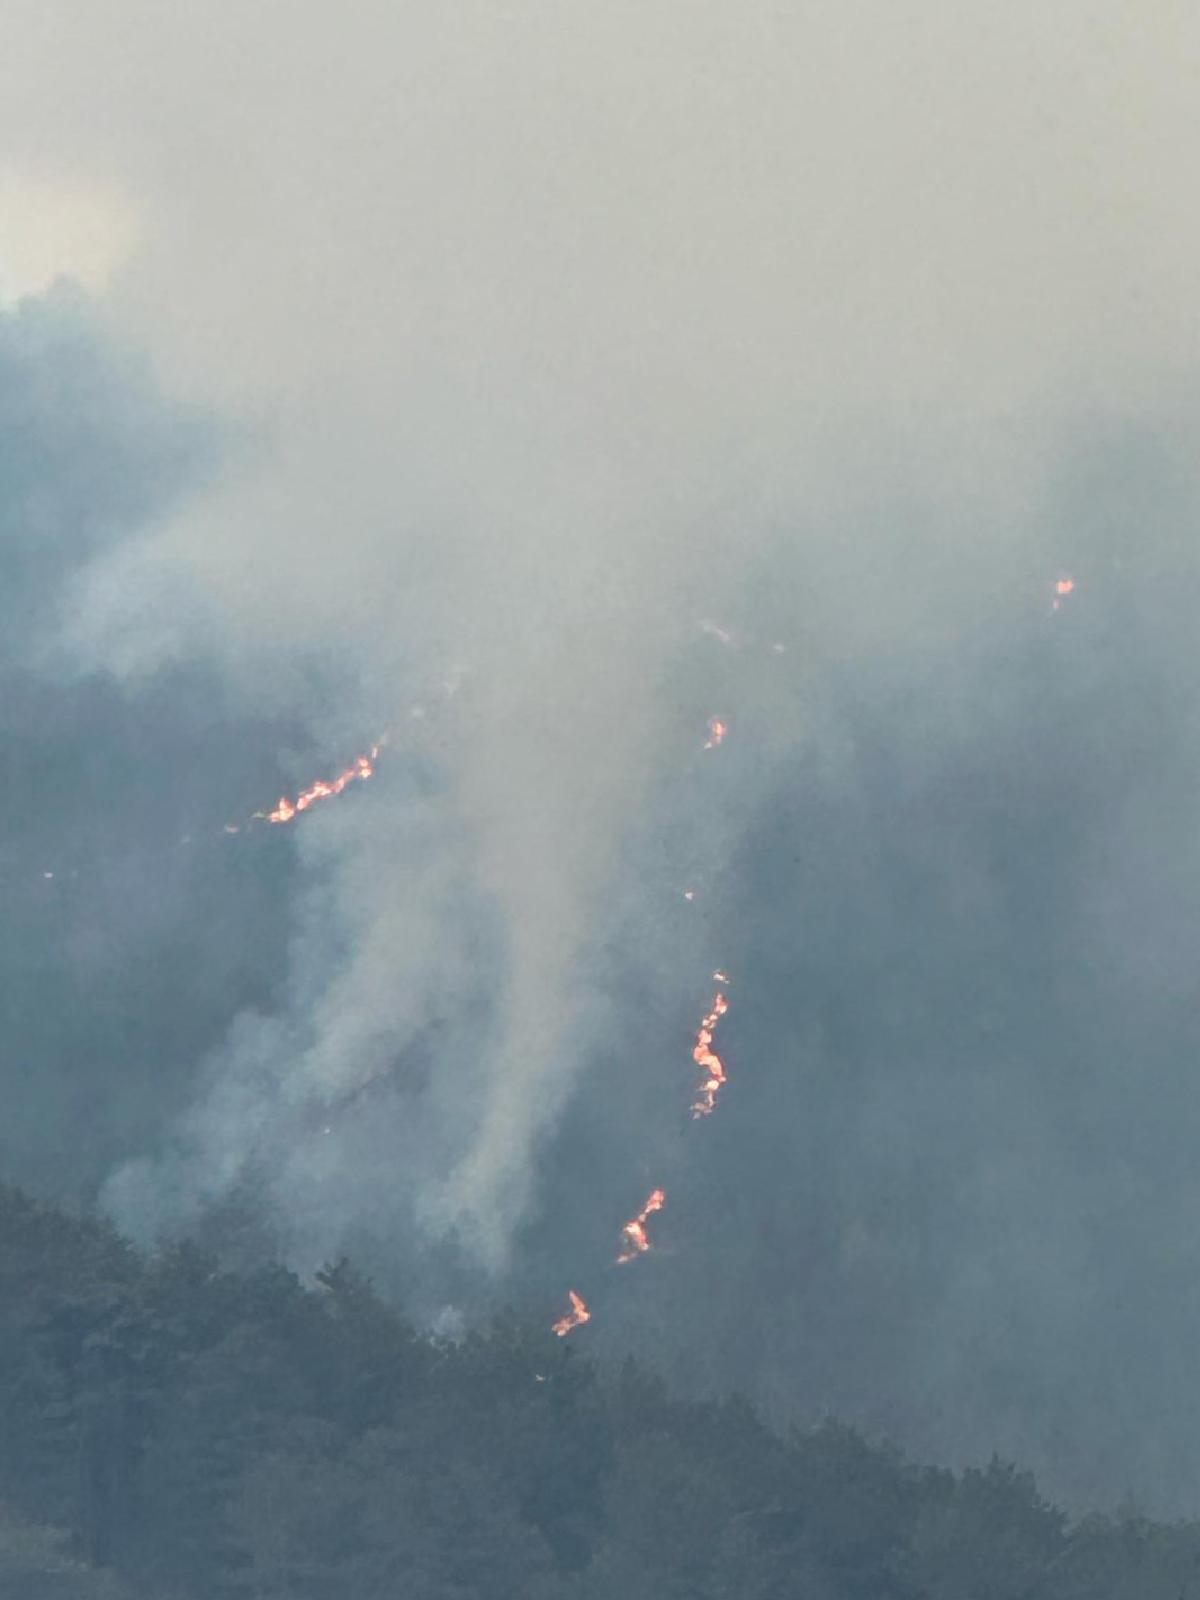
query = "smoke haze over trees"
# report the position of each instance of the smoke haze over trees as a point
(472, 374)
(185, 1431)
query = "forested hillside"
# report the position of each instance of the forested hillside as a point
(196, 1433)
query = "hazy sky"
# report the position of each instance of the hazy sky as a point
(490, 350)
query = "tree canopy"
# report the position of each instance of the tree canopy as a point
(172, 1429)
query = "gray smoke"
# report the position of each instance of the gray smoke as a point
(537, 339)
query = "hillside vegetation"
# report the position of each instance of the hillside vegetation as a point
(197, 1433)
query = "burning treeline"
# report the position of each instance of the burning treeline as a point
(575, 1317)
(634, 1242)
(285, 808)
(359, 770)
(634, 1239)
(707, 1059)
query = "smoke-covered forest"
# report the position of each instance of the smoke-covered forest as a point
(599, 710)
(172, 1430)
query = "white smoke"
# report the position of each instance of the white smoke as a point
(556, 329)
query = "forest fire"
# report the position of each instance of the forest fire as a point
(708, 1060)
(575, 1317)
(359, 770)
(716, 732)
(634, 1242)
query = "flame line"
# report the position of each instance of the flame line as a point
(359, 770)
(708, 1060)
(634, 1232)
(575, 1317)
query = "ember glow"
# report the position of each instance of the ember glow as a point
(708, 1060)
(575, 1317)
(716, 732)
(359, 770)
(634, 1242)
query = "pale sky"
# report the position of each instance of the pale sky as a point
(892, 203)
(56, 226)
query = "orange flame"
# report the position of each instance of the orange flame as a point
(708, 1060)
(633, 1234)
(360, 769)
(716, 732)
(1063, 586)
(575, 1317)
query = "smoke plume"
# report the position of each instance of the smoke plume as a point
(544, 384)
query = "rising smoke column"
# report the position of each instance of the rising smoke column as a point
(507, 841)
(526, 378)
(473, 462)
